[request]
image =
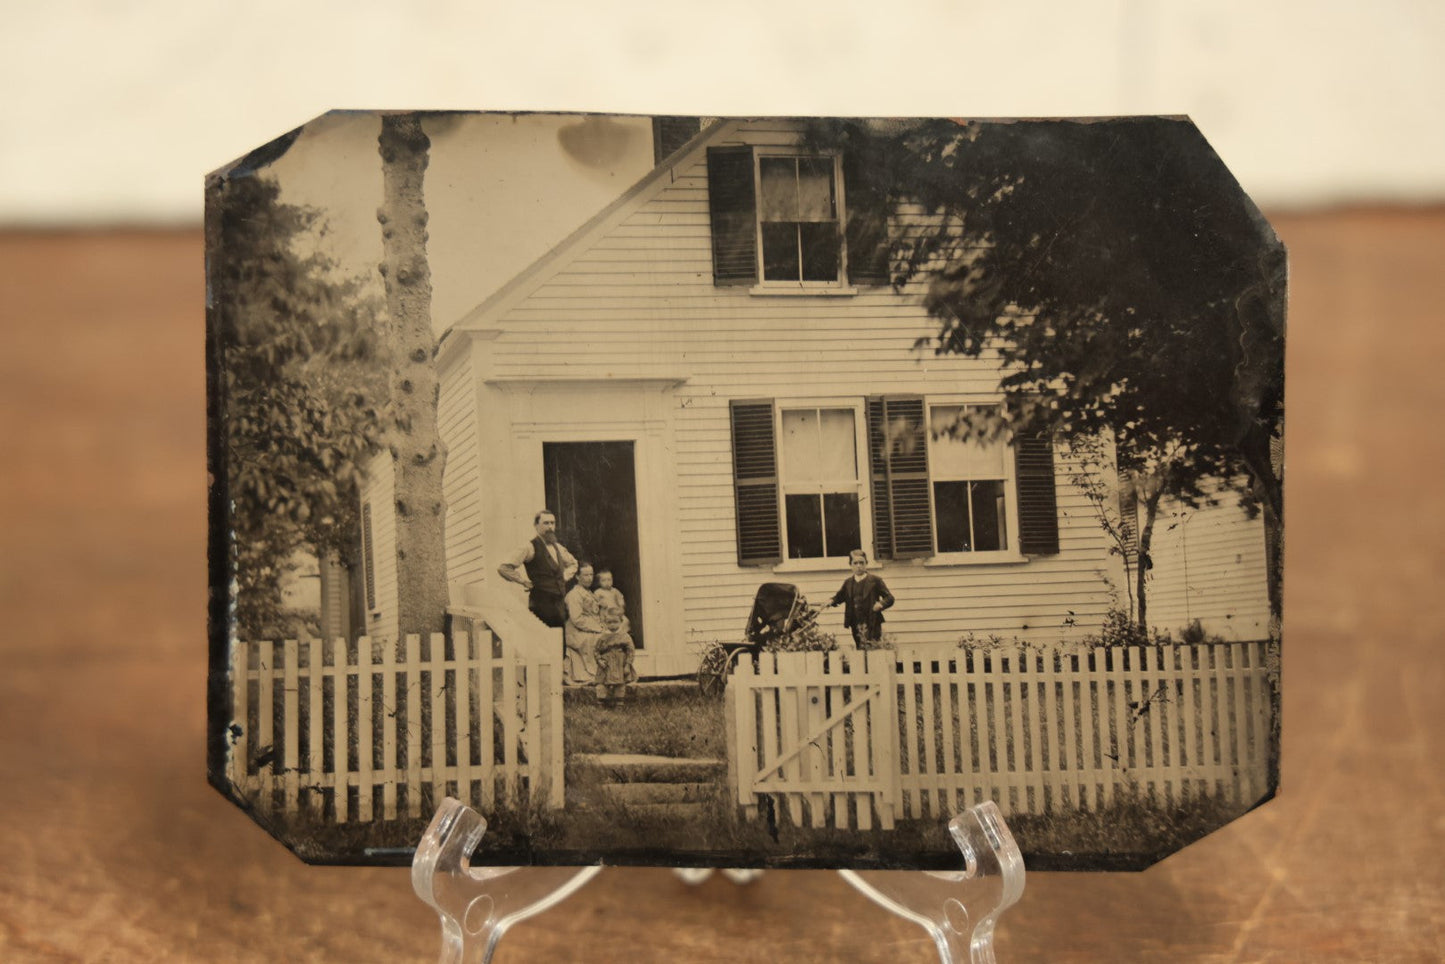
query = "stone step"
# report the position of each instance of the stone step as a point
(669, 812)
(640, 768)
(661, 793)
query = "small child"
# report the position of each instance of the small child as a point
(607, 596)
(614, 659)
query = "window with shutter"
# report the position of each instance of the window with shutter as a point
(755, 484)
(780, 219)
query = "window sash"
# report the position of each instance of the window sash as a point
(975, 471)
(799, 235)
(850, 487)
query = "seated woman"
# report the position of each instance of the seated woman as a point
(580, 634)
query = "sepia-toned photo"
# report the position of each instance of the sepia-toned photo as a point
(743, 492)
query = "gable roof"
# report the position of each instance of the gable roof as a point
(545, 267)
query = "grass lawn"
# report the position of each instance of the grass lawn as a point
(658, 719)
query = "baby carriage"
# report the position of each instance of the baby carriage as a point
(781, 619)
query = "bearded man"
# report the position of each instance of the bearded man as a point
(542, 567)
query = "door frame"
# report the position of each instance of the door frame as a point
(528, 412)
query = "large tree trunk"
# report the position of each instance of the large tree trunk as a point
(416, 448)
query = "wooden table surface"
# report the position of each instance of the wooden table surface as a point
(113, 847)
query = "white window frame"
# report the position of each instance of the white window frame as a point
(860, 470)
(838, 285)
(1010, 553)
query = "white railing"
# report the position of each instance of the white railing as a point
(379, 729)
(1034, 732)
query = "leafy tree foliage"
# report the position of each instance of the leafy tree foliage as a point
(299, 388)
(1117, 272)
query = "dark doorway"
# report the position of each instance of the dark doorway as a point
(592, 487)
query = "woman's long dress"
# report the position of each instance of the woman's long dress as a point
(579, 637)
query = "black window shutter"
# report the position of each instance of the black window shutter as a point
(732, 212)
(898, 456)
(1129, 523)
(878, 479)
(866, 208)
(755, 484)
(368, 565)
(1038, 505)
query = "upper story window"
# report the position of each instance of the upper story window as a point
(798, 231)
(782, 220)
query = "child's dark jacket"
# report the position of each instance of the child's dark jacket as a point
(857, 596)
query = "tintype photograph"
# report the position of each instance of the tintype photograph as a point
(743, 492)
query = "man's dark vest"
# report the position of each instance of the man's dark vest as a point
(545, 574)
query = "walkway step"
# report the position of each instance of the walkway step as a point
(680, 812)
(638, 768)
(633, 794)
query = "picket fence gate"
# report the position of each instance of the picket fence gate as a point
(380, 728)
(850, 739)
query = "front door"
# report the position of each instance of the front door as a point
(592, 487)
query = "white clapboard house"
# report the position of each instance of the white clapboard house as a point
(700, 382)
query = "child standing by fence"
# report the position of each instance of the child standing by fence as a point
(614, 659)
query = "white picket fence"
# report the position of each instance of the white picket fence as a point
(381, 728)
(849, 739)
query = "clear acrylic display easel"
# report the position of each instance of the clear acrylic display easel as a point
(959, 908)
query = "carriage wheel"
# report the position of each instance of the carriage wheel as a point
(712, 672)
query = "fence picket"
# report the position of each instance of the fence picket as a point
(415, 720)
(810, 706)
(835, 698)
(1157, 691)
(487, 720)
(390, 748)
(340, 740)
(532, 725)
(790, 720)
(912, 802)
(1140, 709)
(290, 736)
(265, 725)
(506, 703)
(365, 730)
(949, 716)
(315, 724)
(928, 763)
(1029, 751)
(1053, 771)
(974, 767)
(436, 699)
(556, 760)
(1238, 715)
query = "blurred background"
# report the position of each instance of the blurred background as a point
(113, 110)
(111, 845)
